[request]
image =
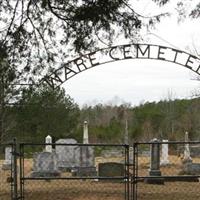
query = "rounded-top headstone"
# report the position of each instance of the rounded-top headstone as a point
(48, 140)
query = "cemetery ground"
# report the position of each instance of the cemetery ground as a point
(108, 190)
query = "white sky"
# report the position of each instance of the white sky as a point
(137, 81)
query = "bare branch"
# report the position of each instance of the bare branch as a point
(96, 33)
(56, 14)
(35, 28)
(142, 16)
(12, 20)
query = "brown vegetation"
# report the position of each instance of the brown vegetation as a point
(96, 190)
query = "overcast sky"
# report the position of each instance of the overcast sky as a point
(138, 81)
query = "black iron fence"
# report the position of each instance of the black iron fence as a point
(174, 176)
(142, 171)
(74, 171)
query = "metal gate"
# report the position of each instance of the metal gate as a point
(8, 171)
(101, 171)
(74, 171)
(175, 177)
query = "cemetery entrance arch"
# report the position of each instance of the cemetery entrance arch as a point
(124, 185)
(121, 52)
(136, 172)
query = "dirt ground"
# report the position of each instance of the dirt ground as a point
(98, 190)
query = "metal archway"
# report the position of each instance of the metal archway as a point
(121, 52)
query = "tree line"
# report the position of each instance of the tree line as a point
(37, 36)
(43, 111)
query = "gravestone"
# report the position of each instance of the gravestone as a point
(68, 155)
(154, 164)
(86, 156)
(45, 165)
(164, 159)
(191, 168)
(195, 151)
(111, 169)
(8, 159)
(87, 160)
(85, 133)
(187, 158)
(155, 158)
(48, 140)
(131, 155)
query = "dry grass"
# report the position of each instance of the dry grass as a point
(169, 191)
(92, 190)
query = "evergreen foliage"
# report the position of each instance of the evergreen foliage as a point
(42, 112)
(167, 119)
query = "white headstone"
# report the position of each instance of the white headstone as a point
(8, 155)
(8, 159)
(187, 156)
(85, 133)
(164, 154)
(48, 140)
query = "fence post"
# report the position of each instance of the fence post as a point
(135, 171)
(14, 172)
(126, 172)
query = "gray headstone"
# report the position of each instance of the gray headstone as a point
(68, 155)
(195, 151)
(191, 168)
(87, 162)
(155, 156)
(154, 163)
(111, 169)
(86, 156)
(45, 165)
(84, 172)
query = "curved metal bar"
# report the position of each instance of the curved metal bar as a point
(121, 52)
